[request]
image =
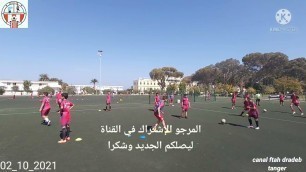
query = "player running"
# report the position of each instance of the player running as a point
(253, 113)
(296, 102)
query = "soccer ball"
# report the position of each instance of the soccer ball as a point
(265, 110)
(223, 121)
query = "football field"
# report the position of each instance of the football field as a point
(118, 140)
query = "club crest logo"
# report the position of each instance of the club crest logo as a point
(14, 14)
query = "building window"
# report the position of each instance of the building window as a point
(140, 83)
(8, 83)
(14, 83)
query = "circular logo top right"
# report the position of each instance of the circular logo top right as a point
(283, 16)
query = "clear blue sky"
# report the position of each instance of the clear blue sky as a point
(138, 35)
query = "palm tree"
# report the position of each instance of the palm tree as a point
(44, 77)
(94, 81)
(26, 86)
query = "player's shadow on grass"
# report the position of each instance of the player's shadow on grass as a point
(176, 116)
(151, 110)
(232, 124)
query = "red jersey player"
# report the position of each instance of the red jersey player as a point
(253, 113)
(108, 102)
(281, 99)
(234, 97)
(296, 102)
(156, 99)
(158, 113)
(58, 98)
(246, 106)
(185, 105)
(66, 106)
(45, 109)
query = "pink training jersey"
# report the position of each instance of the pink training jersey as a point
(108, 99)
(234, 96)
(253, 112)
(160, 105)
(293, 99)
(65, 108)
(185, 103)
(46, 103)
(66, 105)
(281, 97)
(246, 105)
(157, 99)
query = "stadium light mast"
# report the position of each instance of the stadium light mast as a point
(100, 56)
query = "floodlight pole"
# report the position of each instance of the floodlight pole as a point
(100, 54)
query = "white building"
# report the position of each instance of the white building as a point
(79, 88)
(146, 84)
(36, 85)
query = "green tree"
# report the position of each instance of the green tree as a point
(228, 88)
(288, 84)
(171, 88)
(15, 88)
(2, 91)
(161, 75)
(265, 66)
(251, 90)
(207, 75)
(296, 68)
(46, 89)
(26, 86)
(64, 86)
(254, 62)
(108, 90)
(182, 87)
(88, 90)
(194, 90)
(44, 77)
(269, 89)
(71, 90)
(60, 82)
(274, 66)
(229, 69)
(94, 81)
